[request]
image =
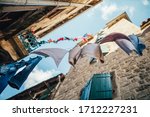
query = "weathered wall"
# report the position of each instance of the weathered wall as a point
(9, 47)
(132, 74)
(14, 47)
(124, 26)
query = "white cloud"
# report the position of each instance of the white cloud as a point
(107, 10)
(131, 9)
(92, 11)
(38, 75)
(104, 9)
(145, 2)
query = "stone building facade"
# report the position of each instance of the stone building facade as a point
(130, 74)
(123, 24)
(39, 18)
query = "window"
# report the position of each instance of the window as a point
(99, 87)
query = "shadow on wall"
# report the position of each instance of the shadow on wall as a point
(5, 56)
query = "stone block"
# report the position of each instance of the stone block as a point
(141, 88)
(147, 79)
(127, 96)
(131, 76)
(141, 94)
(143, 75)
(133, 85)
(141, 81)
(137, 70)
(147, 68)
(145, 98)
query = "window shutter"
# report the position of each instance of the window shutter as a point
(101, 87)
(85, 93)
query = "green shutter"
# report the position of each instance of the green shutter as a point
(101, 87)
(98, 88)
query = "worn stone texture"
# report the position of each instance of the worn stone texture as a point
(123, 25)
(132, 74)
(9, 47)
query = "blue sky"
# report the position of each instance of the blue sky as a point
(90, 22)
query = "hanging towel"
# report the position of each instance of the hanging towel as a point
(17, 80)
(125, 45)
(93, 50)
(74, 55)
(114, 36)
(138, 44)
(56, 53)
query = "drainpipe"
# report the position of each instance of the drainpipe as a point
(19, 8)
(40, 3)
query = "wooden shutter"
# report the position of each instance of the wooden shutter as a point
(101, 87)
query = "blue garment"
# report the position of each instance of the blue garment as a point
(8, 71)
(138, 44)
(17, 80)
(85, 92)
(125, 45)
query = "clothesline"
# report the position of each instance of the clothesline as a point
(126, 43)
(84, 39)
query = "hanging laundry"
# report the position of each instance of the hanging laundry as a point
(93, 50)
(114, 36)
(42, 42)
(50, 40)
(56, 53)
(75, 39)
(138, 44)
(8, 71)
(74, 55)
(60, 39)
(67, 38)
(17, 80)
(87, 35)
(125, 45)
(84, 38)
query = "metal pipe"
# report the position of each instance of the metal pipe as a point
(19, 8)
(40, 3)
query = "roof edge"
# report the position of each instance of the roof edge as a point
(118, 18)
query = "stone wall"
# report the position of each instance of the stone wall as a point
(132, 74)
(123, 26)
